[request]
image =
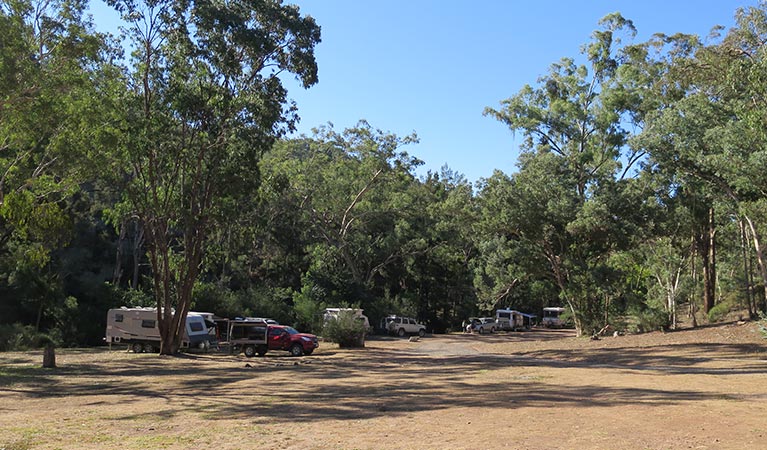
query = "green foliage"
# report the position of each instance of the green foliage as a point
(720, 311)
(19, 337)
(345, 330)
(644, 319)
(170, 181)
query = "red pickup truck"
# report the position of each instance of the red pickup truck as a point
(257, 336)
(282, 337)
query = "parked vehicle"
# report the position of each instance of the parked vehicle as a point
(512, 320)
(283, 337)
(551, 317)
(402, 326)
(247, 336)
(508, 319)
(484, 325)
(332, 313)
(257, 337)
(138, 328)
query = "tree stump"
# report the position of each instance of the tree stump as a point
(49, 357)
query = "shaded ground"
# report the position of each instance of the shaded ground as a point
(701, 388)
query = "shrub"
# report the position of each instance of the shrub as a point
(16, 337)
(345, 330)
(647, 319)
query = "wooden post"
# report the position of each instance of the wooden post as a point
(49, 357)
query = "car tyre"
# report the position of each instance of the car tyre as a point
(261, 350)
(296, 350)
(137, 347)
(421, 332)
(481, 330)
(401, 332)
(308, 352)
(249, 350)
(492, 330)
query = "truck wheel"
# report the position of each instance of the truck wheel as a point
(249, 350)
(296, 350)
(137, 347)
(421, 332)
(261, 350)
(481, 330)
(308, 352)
(401, 332)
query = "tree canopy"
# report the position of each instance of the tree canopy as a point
(157, 168)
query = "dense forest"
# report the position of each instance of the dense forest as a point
(155, 168)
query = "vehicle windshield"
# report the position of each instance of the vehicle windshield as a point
(291, 330)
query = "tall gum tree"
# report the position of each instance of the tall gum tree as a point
(204, 101)
(704, 126)
(572, 123)
(53, 115)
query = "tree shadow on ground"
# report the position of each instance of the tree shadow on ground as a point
(377, 382)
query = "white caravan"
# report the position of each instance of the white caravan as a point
(138, 328)
(551, 317)
(509, 319)
(332, 313)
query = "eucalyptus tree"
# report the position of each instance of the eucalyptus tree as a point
(54, 112)
(571, 175)
(353, 191)
(205, 100)
(703, 111)
(438, 280)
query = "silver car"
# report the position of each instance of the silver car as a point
(485, 325)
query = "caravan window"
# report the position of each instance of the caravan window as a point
(195, 326)
(147, 323)
(118, 317)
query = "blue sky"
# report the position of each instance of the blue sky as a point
(432, 66)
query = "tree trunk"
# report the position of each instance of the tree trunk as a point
(118, 272)
(49, 357)
(747, 269)
(707, 247)
(694, 275)
(138, 243)
(759, 258)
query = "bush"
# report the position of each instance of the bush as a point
(345, 330)
(648, 319)
(720, 310)
(17, 337)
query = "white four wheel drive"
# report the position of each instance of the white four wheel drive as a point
(402, 326)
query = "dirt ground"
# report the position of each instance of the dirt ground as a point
(698, 388)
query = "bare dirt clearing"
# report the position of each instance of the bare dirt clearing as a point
(701, 388)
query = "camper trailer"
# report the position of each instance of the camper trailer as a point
(332, 313)
(512, 320)
(551, 317)
(138, 328)
(508, 319)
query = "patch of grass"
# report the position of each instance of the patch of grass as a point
(23, 444)
(14, 375)
(27, 438)
(162, 441)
